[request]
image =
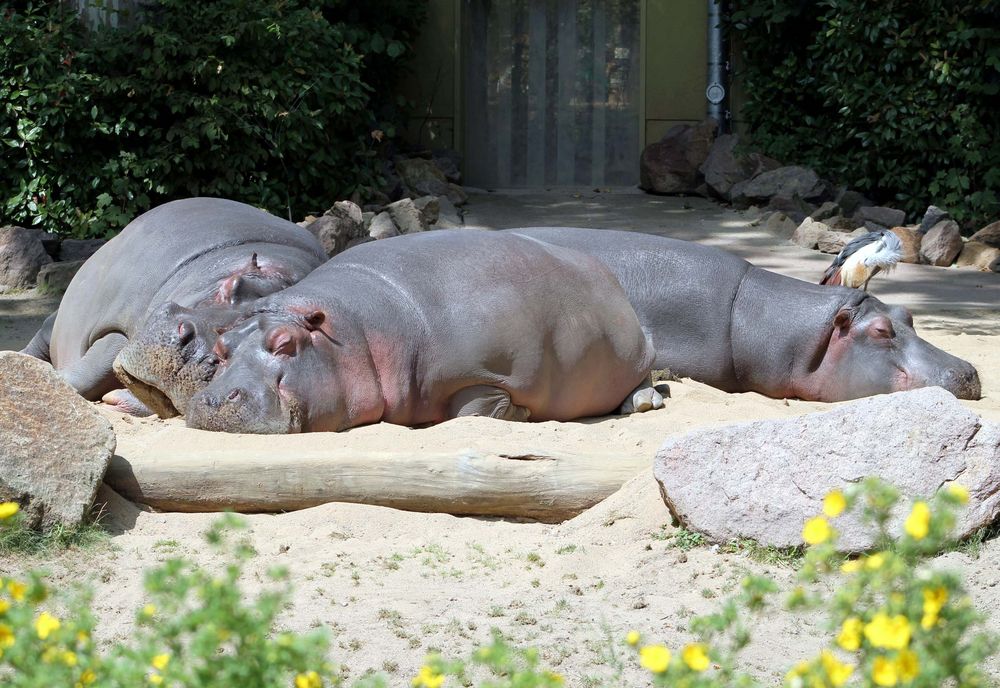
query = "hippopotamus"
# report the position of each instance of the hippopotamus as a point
(419, 329)
(718, 319)
(208, 254)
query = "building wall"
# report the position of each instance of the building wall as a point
(673, 68)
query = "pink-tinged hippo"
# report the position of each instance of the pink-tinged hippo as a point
(415, 330)
(718, 319)
(204, 253)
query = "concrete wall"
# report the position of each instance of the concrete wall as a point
(432, 83)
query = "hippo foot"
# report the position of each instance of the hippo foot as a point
(485, 400)
(124, 401)
(643, 398)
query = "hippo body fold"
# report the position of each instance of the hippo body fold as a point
(718, 319)
(416, 330)
(201, 253)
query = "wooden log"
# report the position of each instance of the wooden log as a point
(178, 469)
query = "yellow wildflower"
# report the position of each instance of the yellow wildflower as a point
(800, 669)
(69, 658)
(554, 677)
(427, 677)
(909, 665)
(655, 658)
(959, 492)
(82, 638)
(850, 634)
(834, 503)
(17, 590)
(919, 521)
(8, 509)
(851, 566)
(695, 656)
(155, 679)
(310, 679)
(4, 606)
(875, 561)
(889, 632)
(88, 677)
(632, 638)
(934, 600)
(6, 636)
(161, 661)
(836, 671)
(885, 672)
(45, 624)
(149, 611)
(49, 655)
(816, 531)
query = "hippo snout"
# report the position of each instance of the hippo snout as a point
(963, 382)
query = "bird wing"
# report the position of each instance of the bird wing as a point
(832, 274)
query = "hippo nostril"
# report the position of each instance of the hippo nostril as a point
(185, 331)
(234, 395)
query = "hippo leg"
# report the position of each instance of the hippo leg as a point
(486, 400)
(39, 344)
(643, 398)
(124, 401)
(92, 376)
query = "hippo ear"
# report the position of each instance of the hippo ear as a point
(314, 320)
(843, 320)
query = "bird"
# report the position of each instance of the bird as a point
(863, 258)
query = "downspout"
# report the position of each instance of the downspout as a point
(717, 91)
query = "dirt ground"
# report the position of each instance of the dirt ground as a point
(392, 586)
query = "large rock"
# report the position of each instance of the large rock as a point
(382, 226)
(809, 233)
(976, 254)
(21, 256)
(723, 168)
(849, 201)
(54, 445)
(989, 235)
(882, 215)
(670, 165)
(406, 216)
(910, 240)
(338, 227)
(941, 245)
(422, 177)
(781, 225)
(932, 216)
(54, 278)
(79, 249)
(763, 480)
(791, 182)
(429, 207)
(448, 215)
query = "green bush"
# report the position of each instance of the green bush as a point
(271, 102)
(898, 99)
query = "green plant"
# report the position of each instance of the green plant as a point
(897, 99)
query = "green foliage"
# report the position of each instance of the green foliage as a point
(272, 102)
(898, 99)
(18, 538)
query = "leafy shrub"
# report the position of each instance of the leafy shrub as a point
(898, 99)
(271, 102)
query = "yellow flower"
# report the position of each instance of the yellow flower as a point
(69, 658)
(851, 566)
(850, 634)
(149, 611)
(934, 600)
(919, 521)
(45, 624)
(426, 678)
(554, 677)
(4, 606)
(959, 492)
(834, 503)
(655, 658)
(155, 679)
(816, 530)
(836, 671)
(17, 590)
(82, 637)
(6, 636)
(161, 661)
(8, 509)
(632, 638)
(889, 632)
(800, 669)
(909, 665)
(310, 679)
(88, 677)
(885, 672)
(875, 561)
(695, 656)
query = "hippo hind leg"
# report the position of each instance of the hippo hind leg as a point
(123, 400)
(643, 398)
(39, 344)
(486, 400)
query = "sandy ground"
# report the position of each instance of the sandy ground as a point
(393, 585)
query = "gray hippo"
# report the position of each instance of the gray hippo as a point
(718, 319)
(204, 253)
(416, 330)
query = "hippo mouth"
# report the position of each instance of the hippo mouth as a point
(154, 399)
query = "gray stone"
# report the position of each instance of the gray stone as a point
(989, 235)
(79, 249)
(737, 196)
(763, 480)
(670, 166)
(976, 254)
(347, 209)
(873, 226)
(422, 177)
(795, 208)
(722, 168)
(449, 168)
(456, 195)
(54, 445)
(849, 201)
(54, 278)
(827, 210)
(932, 216)
(790, 182)
(367, 218)
(832, 242)
(839, 223)
(941, 245)
(809, 233)
(382, 227)
(335, 229)
(429, 207)
(781, 225)
(21, 256)
(406, 216)
(448, 215)
(882, 215)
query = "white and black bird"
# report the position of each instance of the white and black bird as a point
(863, 258)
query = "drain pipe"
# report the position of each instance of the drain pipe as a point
(717, 92)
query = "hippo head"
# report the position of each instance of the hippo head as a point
(171, 358)
(873, 349)
(284, 373)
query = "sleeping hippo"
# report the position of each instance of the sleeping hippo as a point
(716, 318)
(204, 253)
(416, 330)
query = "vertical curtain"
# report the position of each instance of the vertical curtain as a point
(551, 92)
